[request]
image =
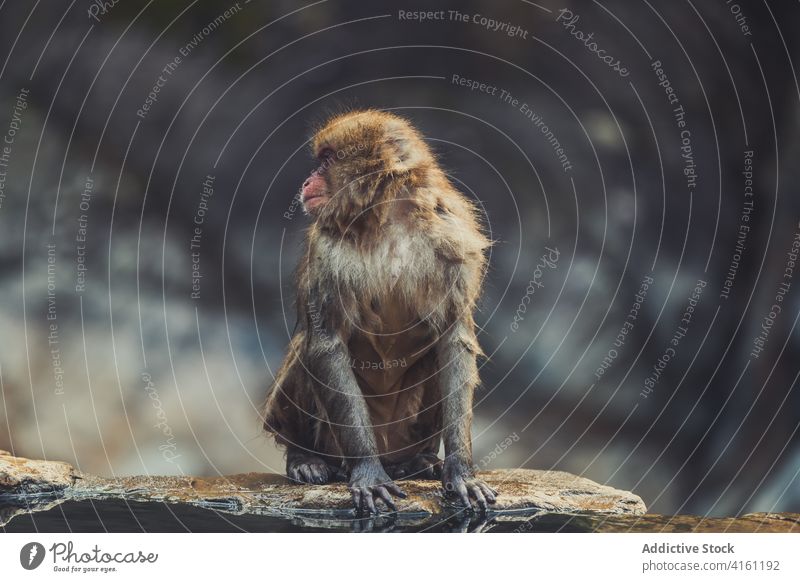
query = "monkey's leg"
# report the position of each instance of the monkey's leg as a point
(290, 415)
(458, 378)
(338, 390)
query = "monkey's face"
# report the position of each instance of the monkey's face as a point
(339, 170)
(355, 152)
(316, 189)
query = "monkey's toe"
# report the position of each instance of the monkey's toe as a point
(426, 466)
(309, 469)
(422, 466)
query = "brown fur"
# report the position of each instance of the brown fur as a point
(393, 267)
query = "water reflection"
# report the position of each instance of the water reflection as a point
(134, 516)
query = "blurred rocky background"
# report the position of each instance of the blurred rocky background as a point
(123, 123)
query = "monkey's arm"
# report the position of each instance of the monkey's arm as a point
(456, 355)
(336, 387)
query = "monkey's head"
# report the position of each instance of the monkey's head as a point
(364, 157)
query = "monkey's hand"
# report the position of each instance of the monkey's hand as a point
(370, 483)
(459, 481)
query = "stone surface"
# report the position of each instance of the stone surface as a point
(520, 490)
(27, 485)
(529, 501)
(18, 475)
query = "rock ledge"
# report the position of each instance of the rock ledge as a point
(32, 485)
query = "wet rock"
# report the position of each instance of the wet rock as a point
(24, 476)
(31, 485)
(520, 490)
(529, 501)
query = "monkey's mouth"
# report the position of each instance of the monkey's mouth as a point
(314, 192)
(314, 201)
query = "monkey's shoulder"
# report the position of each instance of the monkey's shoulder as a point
(452, 221)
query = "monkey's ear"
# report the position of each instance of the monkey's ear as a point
(405, 149)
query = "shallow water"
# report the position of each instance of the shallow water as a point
(120, 516)
(115, 515)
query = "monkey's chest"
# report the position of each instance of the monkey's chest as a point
(382, 356)
(395, 371)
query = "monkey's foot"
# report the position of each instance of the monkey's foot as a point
(308, 469)
(459, 482)
(422, 466)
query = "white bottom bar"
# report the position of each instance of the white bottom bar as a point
(404, 557)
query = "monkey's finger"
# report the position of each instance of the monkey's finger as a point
(463, 495)
(296, 474)
(488, 492)
(384, 495)
(396, 490)
(319, 474)
(476, 492)
(370, 502)
(308, 476)
(356, 494)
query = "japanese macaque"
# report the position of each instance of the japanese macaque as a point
(382, 364)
